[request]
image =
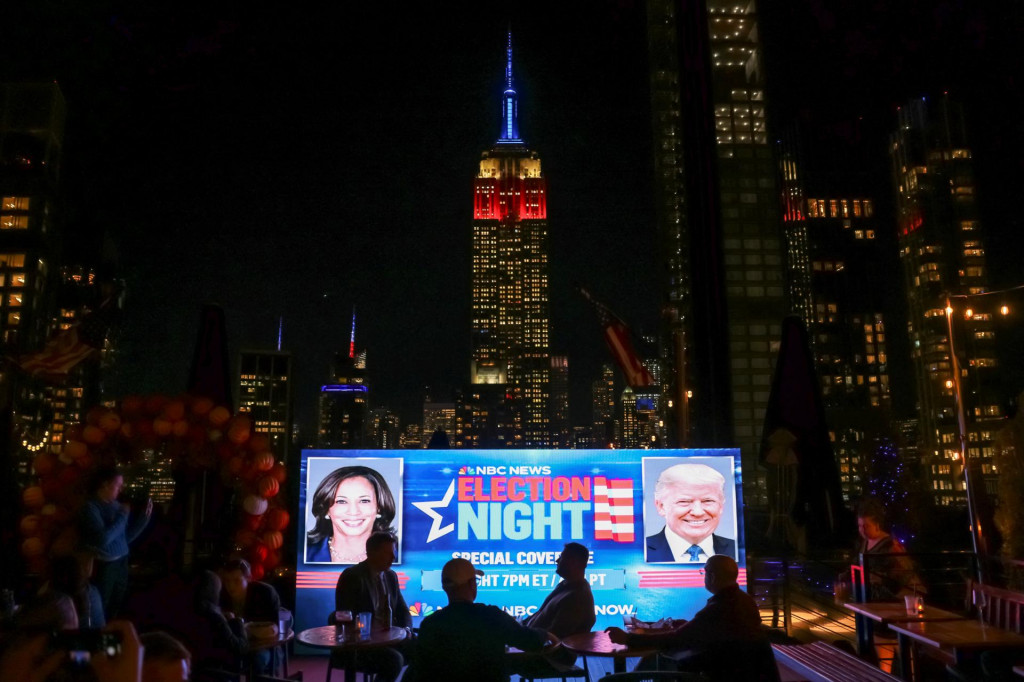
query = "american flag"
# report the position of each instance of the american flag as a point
(613, 509)
(71, 346)
(620, 343)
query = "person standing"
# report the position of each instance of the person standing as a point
(108, 526)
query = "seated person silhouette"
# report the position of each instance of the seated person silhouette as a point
(724, 639)
(371, 586)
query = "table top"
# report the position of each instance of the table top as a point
(959, 634)
(598, 644)
(896, 612)
(261, 643)
(327, 637)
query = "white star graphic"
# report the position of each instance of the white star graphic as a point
(428, 508)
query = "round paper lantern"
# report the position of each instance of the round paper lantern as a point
(127, 430)
(179, 428)
(69, 477)
(257, 554)
(219, 415)
(253, 523)
(76, 448)
(258, 571)
(253, 504)
(131, 405)
(29, 525)
(92, 417)
(273, 559)
(245, 537)
(93, 435)
(258, 442)
(155, 405)
(263, 461)
(44, 463)
(33, 497)
(161, 427)
(276, 519)
(240, 430)
(32, 547)
(110, 422)
(235, 465)
(174, 411)
(272, 539)
(202, 406)
(278, 472)
(268, 486)
(48, 510)
(51, 487)
(85, 462)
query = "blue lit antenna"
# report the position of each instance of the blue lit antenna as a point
(280, 331)
(509, 102)
(352, 338)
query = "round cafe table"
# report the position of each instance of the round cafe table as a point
(329, 637)
(598, 644)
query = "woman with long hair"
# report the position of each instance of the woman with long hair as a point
(349, 505)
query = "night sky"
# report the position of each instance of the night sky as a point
(296, 162)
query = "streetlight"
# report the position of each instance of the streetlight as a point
(977, 539)
(977, 532)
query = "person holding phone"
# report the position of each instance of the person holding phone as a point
(108, 526)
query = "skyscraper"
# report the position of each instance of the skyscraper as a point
(843, 276)
(265, 394)
(344, 403)
(942, 250)
(510, 324)
(726, 232)
(31, 139)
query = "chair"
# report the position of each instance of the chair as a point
(654, 676)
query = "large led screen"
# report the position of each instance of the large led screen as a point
(649, 517)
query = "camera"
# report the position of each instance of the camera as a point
(81, 645)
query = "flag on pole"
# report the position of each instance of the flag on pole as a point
(620, 343)
(73, 345)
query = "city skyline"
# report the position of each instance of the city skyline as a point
(222, 181)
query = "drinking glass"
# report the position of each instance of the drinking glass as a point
(363, 622)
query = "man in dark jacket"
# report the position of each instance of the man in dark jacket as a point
(729, 621)
(371, 586)
(465, 641)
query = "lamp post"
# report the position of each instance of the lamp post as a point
(977, 533)
(978, 540)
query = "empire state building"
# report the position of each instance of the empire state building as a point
(510, 273)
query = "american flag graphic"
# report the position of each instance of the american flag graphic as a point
(613, 509)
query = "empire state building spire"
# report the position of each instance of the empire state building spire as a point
(509, 102)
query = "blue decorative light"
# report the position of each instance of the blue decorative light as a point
(344, 388)
(509, 103)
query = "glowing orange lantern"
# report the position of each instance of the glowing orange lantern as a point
(268, 486)
(263, 461)
(33, 497)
